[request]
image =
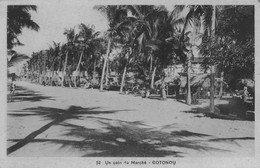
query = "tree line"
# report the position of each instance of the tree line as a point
(150, 38)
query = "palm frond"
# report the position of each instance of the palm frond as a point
(175, 13)
(18, 17)
(16, 59)
(152, 46)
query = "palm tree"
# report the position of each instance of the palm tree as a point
(145, 21)
(86, 39)
(96, 52)
(114, 14)
(162, 35)
(15, 58)
(196, 15)
(18, 17)
(54, 57)
(127, 59)
(35, 61)
(133, 32)
(71, 37)
(212, 69)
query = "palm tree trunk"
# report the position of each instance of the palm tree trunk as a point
(65, 67)
(77, 69)
(107, 72)
(151, 64)
(188, 97)
(221, 84)
(58, 71)
(212, 90)
(52, 74)
(123, 80)
(152, 80)
(32, 71)
(80, 60)
(105, 63)
(94, 71)
(38, 72)
(75, 81)
(45, 71)
(59, 65)
(212, 67)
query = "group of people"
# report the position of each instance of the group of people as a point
(145, 91)
(243, 94)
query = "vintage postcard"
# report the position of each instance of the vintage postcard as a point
(129, 83)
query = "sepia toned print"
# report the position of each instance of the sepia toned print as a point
(131, 81)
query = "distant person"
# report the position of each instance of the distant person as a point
(143, 92)
(12, 87)
(163, 90)
(148, 92)
(245, 94)
(135, 89)
(208, 94)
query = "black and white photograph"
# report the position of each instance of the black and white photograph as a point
(129, 81)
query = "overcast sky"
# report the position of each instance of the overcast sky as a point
(53, 19)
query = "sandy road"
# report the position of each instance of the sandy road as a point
(55, 121)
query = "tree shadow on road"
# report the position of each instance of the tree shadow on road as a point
(220, 114)
(115, 138)
(25, 94)
(56, 116)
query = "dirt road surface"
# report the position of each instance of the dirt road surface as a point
(54, 121)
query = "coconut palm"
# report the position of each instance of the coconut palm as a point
(145, 21)
(86, 41)
(71, 37)
(114, 14)
(196, 16)
(18, 17)
(54, 56)
(16, 58)
(127, 60)
(165, 35)
(145, 31)
(97, 51)
(133, 31)
(160, 30)
(34, 66)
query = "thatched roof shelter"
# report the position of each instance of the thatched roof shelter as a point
(200, 80)
(133, 80)
(168, 80)
(130, 81)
